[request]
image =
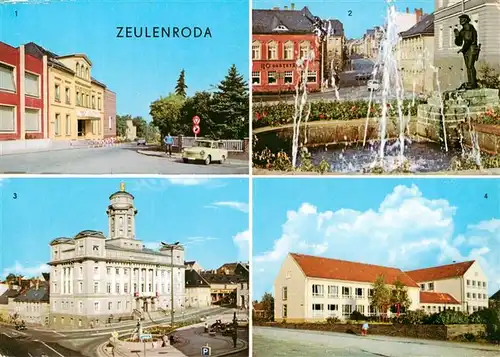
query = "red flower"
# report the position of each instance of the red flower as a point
(257, 115)
(264, 114)
(321, 116)
(353, 107)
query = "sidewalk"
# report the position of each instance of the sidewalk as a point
(28, 147)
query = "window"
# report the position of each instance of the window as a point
(77, 69)
(285, 311)
(95, 248)
(346, 310)
(108, 288)
(7, 78)
(68, 124)
(117, 271)
(288, 50)
(110, 119)
(288, 78)
(110, 305)
(87, 74)
(80, 306)
(370, 292)
(317, 308)
(272, 50)
(256, 78)
(96, 306)
(484, 296)
(473, 295)
(468, 282)
(346, 292)
(484, 284)
(468, 295)
(31, 82)
(422, 287)
(96, 287)
(440, 38)
(272, 78)
(93, 102)
(98, 103)
(317, 290)
(304, 49)
(284, 293)
(57, 125)
(80, 287)
(360, 308)
(125, 288)
(358, 292)
(7, 118)
(311, 76)
(431, 286)
(68, 96)
(256, 53)
(333, 291)
(117, 288)
(96, 270)
(333, 307)
(32, 119)
(57, 91)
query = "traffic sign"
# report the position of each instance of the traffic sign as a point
(196, 120)
(196, 129)
(206, 351)
(146, 336)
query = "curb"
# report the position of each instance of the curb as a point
(71, 147)
(147, 153)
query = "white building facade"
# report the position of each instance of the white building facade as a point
(96, 279)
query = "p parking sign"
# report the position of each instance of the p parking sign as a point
(206, 351)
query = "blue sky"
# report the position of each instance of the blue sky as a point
(138, 70)
(407, 223)
(364, 13)
(209, 216)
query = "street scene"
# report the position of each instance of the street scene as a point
(58, 96)
(379, 88)
(339, 276)
(119, 289)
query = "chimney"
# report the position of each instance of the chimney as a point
(292, 6)
(419, 13)
(276, 8)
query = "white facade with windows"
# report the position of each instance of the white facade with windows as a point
(96, 278)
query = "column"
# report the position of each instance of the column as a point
(71, 269)
(146, 281)
(22, 94)
(113, 280)
(154, 281)
(62, 280)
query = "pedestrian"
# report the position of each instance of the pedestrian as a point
(364, 329)
(169, 142)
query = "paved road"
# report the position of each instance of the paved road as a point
(276, 342)
(110, 160)
(18, 344)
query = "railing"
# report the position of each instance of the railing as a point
(229, 145)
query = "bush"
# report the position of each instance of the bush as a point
(417, 317)
(492, 318)
(358, 316)
(447, 317)
(282, 113)
(332, 320)
(479, 317)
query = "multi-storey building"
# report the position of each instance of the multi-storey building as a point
(334, 50)
(95, 278)
(197, 290)
(109, 114)
(465, 282)
(415, 54)
(280, 37)
(31, 305)
(76, 99)
(23, 94)
(310, 288)
(485, 17)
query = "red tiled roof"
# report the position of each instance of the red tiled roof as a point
(326, 268)
(440, 272)
(427, 297)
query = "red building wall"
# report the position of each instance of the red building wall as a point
(109, 111)
(281, 65)
(12, 57)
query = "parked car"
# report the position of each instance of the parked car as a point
(205, 150)
(363, 76)
(373, 85)
(141, 141)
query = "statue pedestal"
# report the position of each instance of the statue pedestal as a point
(458, 105)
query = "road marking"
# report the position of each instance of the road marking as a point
(30, 355)
(43, 343)
(60, 334)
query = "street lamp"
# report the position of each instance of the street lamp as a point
(171, 247)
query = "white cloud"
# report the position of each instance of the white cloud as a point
(197, 240)
(188, 181)
(30, 271)
(240, 206)
(407, 230)
(242, 241)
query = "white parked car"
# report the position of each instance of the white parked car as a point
(373, 85)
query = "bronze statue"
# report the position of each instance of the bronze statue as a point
(467, 38)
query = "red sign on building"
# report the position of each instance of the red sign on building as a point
(278, 45)
(23, 88)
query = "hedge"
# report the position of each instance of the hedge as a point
(282, 113)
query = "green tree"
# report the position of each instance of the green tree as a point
(180, 88)
(231, 106)
(268, 306)
(381, 297)
(400, 295)
(121, 124)
(488, 77)
(141, 126)
(11, 278)
(166, 114)
(152, 133)
(201, 105)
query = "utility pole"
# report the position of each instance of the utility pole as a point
(172, 311)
